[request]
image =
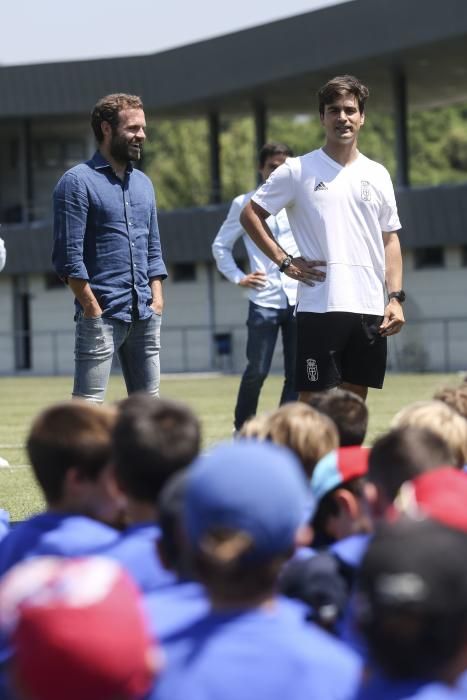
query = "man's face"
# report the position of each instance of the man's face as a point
(271, 163)
(342, 120)
(127, 138)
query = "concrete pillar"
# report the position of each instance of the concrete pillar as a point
(260, 115)
(27, 178)
(400, 123)
(214, 158)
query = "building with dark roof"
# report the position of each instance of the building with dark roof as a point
(413, 54)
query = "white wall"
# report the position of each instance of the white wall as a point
(438, 293)
(187, 333)
(7, 364)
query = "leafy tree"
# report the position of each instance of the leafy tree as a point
(177, 161)
(177, 151)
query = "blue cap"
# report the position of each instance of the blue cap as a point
(253, 487)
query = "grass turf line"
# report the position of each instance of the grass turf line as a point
(212, 398)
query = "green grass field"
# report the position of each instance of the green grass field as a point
(212, 397)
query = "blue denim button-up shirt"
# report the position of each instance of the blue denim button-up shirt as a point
(106, 232)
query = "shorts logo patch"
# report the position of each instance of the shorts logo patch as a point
(366, 190)
(312, 370)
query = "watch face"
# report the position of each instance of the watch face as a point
(400, 296)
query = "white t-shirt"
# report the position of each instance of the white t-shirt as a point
(279, 290)
(337, 214)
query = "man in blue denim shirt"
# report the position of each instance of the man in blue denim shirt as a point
(107, 248)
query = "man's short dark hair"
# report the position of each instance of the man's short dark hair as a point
(108, 108)
(455, 397)
(339, 86)
(273, 149)
(153, 439)
(411, 600)
(328, 507)
(348, 411)
(74, 434)
(402, 454)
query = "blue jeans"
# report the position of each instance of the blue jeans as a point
(137, 345)
(263, 327)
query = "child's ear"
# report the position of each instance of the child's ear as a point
(347, 503)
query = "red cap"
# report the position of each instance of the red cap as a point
(440, 494)
(338, 467)
(77, 629)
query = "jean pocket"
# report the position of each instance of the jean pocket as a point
(90, 319)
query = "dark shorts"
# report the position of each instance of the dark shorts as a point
(337, 347)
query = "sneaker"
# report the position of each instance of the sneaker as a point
(4, 462)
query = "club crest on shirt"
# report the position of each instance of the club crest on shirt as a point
(366, 191)
(312, 370)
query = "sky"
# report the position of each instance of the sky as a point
(41, 31)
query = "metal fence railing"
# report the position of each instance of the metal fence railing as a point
(430, 344)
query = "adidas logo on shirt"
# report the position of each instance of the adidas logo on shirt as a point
(320, 186)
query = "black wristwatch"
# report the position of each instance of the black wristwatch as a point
(400, 296)
(285, 263)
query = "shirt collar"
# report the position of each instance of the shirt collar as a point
(98, 162)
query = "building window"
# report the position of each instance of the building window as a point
(48, 154)
(428, 258)
(58, 154)
(184, 272)
(73, 153)
(13, 153)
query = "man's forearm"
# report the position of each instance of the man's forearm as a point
(255, 225)
(393, 259)
(155, 285)
(83, 292)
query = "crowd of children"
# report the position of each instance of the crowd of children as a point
(292, 562)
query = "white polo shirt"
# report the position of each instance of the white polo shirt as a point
(337, 214)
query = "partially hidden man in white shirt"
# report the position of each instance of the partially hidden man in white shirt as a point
(272, 295)
(342, 211)
(2, 254)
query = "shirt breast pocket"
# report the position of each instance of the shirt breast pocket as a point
(141, 214)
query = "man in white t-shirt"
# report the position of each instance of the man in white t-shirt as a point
(342, 211)
(272, 295)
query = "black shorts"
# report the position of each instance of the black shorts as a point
(337, 347)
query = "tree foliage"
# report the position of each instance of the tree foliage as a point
(177, 151)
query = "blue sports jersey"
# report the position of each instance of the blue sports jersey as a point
(260, 654)
(351, 550)
(175, 607)
(56, 534)
(4, 523)
(380, 688)
(135, 549)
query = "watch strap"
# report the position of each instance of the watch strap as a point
(285, 263)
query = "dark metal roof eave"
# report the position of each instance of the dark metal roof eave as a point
(208, 72)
